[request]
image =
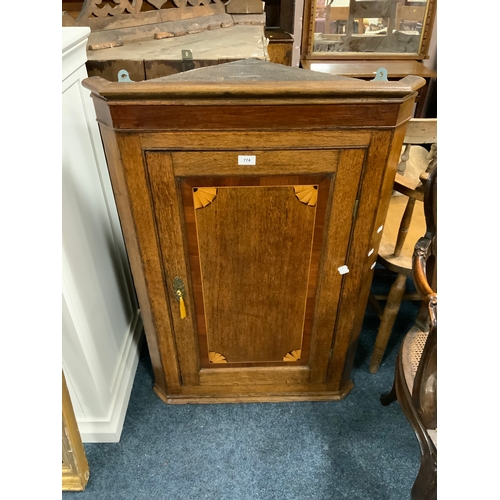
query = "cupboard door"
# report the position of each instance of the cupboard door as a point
(244, 239)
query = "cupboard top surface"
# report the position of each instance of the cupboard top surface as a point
(252, 78)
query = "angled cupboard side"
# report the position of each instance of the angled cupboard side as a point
(252, 198)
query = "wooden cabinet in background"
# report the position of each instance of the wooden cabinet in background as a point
(252, 198)
(280, 46)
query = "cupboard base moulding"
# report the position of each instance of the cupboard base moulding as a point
(268, 397)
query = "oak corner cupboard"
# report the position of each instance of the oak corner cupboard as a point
(252, 198)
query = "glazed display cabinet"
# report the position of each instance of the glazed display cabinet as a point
(252, 198)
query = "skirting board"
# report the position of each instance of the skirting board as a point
(110, 430)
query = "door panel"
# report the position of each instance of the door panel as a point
(254, 244)
(243, 227)
(251, 259)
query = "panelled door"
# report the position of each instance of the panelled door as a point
(243, 245)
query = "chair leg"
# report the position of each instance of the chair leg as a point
(425, 485)
(373, 303)
(387, 322)
(390, 397)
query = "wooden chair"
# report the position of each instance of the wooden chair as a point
(404, 224)
(415, 380)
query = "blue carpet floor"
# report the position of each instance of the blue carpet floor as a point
(352, 449)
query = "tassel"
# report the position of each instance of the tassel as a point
(183, 308)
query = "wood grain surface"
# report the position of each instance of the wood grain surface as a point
(255, 250)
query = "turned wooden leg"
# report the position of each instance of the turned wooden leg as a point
(404, 226)
(387, 322)
(404, 158)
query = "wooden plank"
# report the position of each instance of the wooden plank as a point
(252, 140)
(254, 376)
(236, 117)
(166, 206)
(267, 162)
(334, 253)
(277, 81)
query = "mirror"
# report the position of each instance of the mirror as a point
(367, 26)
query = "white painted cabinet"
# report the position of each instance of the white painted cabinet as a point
(101, 324)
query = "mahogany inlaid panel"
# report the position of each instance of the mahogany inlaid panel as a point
(255, 247)
(254, 261)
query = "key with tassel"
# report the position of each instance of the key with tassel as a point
(180, 293)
